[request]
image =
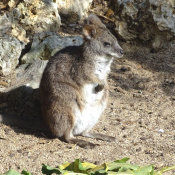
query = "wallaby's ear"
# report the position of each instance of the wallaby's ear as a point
(89, 31)
(94, 20)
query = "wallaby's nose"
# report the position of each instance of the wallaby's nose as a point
(121, 51)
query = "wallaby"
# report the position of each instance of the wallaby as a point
(74, 87)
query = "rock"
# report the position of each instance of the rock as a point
(30, 17)
(161, 131)
(46, 44)
(14, 16)
(39, 16)
(10, 51)
(29, 74)
(73, 10)
(9, 26)
(21, 101)
(163, 14)
(149, 20)
(12, 4)
(16, 30)
(5, 25)
(24, 87)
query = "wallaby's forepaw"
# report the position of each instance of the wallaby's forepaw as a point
(99, 88)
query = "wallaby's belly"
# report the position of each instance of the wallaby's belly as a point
(93, 106)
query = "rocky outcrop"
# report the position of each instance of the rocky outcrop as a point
(19, 104)
(9, 26)
(29, 74)
(46, 44)
(39, 16)
(21, 23)
(149, 20)
(10, 51)
(37, 21)
(24, 84)
(73, 10)
(31, 17)
(16, 30)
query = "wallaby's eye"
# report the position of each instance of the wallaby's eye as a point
(106, 44)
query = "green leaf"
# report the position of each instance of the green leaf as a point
(124, 160)
(25, 172)
(88, 165)
(68, 173)
(148, 170)
(121, 173)
(99, 169)
(124, 169)
(64, 165)
(11, 172)
(76, 167)
(116, 166)
(50, 170)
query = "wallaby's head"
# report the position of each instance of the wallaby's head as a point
(100, 39)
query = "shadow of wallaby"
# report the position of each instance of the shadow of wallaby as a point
(21, 107)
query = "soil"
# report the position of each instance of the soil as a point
(140, 114)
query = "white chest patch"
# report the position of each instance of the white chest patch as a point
(93, 103)
(92, 110)
(102, 67)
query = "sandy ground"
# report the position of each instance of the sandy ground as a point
(140, 114)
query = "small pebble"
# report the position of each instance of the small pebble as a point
(139, 149)
(142, 138)
(161, 131)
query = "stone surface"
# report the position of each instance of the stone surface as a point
(10, 51)
(21, 100)
(39, 16)
(30, 17)
(29, 74)
(24, 85)
(74, 10)
(5, 25)
(9, 26)
(46, 44)
(16, 30)
(149, 20)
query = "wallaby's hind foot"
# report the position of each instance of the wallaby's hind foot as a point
(99, 136)
(81, 143)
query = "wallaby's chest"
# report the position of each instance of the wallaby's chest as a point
(102, 67)
(90, 97)
(93, 106)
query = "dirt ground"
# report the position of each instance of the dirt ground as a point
(140, 114)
